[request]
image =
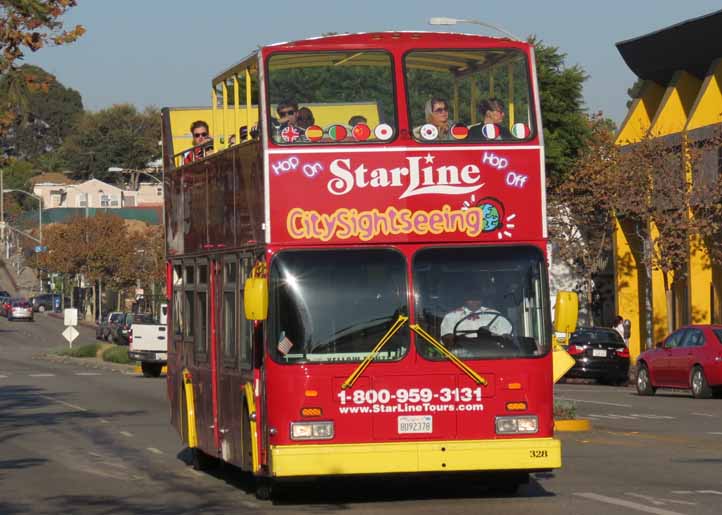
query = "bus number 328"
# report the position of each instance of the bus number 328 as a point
(410, 395)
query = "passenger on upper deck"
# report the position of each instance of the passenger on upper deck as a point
(492, 112)
(202, 142)
(438, 124)
(286, 129)
(304, 118)
(356, 119)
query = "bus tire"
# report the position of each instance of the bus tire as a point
(151, 369)
(508, 484)
(265, 489)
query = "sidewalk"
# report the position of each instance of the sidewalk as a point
(24, 284)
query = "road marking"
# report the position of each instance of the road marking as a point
(595, 402)
(612, 416)
(3, 377)
(627, 504)
(62, 402)
(103, 421)
(715, 433)
(653, 417)
(659, 501)
(154, 450)
(126, 433)
(88, 373)
(705, 415)
(713, 492)
(249, 504)
(41, 375)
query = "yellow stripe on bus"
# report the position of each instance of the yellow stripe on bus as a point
(250, 400)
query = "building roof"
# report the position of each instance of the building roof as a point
(691, 45)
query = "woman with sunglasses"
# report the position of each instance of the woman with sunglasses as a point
(436, 111)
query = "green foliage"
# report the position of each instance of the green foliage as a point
(116, 354)
(634, 91)
(565, 123)
(119, 136)
(83, 351)
(44, 115)
(565, 410)
(17, 175)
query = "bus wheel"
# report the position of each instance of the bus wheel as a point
(265, 488)
(201, 461)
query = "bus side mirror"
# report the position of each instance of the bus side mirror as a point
(565, 312)
(255, 298)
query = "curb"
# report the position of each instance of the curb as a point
(89, 363)
(579, 424)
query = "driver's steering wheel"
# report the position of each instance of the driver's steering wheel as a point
(482, 329)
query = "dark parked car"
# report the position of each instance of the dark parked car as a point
(600, 354)
(690, 358)
(4, 303)
(105, 329)
(120, 332)
(48, 302)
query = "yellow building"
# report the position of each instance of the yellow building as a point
(680, 100)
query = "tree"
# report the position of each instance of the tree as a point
(44, 119)
(119, 136)
(565, 123)
(581, 208)
(28, 25)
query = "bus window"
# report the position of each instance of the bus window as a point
(244, 325)
(189, 300)
(178, 300)
(469, 95)
(482, 303)
(331, 97)
(334, 306)
(201, 314)
(229, 312)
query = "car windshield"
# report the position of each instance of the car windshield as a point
(593, 336)
(335, 305)
(117, 317)
(481, 302)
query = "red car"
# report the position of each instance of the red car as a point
(690, 358)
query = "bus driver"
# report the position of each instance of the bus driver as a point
(472, 316)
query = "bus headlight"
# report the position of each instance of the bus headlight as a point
(517, 425)
(311, 430)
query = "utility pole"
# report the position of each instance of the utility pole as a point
(2, 207)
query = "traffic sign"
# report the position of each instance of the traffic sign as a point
(71, 316)
(70, 334)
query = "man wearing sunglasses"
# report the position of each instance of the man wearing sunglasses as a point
(286, 128)
(202, 142)
(492, 126)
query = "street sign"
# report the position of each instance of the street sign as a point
(70, 334)
(71, 316)
(40, 248)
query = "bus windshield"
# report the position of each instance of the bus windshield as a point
(331, 97)
(482, 303)
(469, 96)
(335, 305)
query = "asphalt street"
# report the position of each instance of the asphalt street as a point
(75, 439)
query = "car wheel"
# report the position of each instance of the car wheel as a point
(41, 308)
(699, 384)
(644, 383)
(10, 318)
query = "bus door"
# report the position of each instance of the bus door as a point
(233, 358)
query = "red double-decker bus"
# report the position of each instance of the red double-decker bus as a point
(357, 271)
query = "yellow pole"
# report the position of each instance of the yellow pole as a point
(491, 86)
(214, 110)
(236, 109)
(456, 99)
(510, 103)
(472, 106)
(248, 103)
(224, 89)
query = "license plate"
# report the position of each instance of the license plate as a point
(415, 424)
(600, 353)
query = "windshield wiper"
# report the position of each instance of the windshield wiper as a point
(348, 383)
(448, 354)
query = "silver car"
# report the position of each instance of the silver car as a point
(20, 309)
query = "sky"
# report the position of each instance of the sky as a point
(165, 52)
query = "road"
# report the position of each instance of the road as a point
(79, 440)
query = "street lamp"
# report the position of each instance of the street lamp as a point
(440, 20)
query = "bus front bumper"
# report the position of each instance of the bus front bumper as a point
(524, 454)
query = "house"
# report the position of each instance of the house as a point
(98, 194)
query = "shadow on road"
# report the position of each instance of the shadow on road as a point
(342, 491)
